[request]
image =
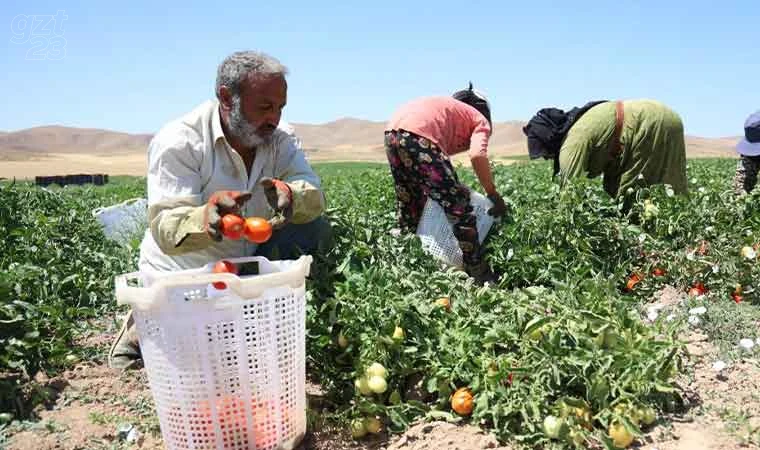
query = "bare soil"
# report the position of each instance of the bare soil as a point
(724, 406)
(23, 165)
(67, 163)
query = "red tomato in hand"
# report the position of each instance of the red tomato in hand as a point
(257, 230)
(233, 226)
(223, 266)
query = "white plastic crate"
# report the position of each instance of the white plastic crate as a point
(436, 232)
(227, 367)
(124, 221)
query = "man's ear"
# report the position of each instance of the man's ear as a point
(225, 97)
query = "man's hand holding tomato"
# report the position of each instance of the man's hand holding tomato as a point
(220, 204)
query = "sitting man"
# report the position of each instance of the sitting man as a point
(227, 156)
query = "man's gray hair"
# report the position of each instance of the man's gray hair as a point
(240, 65)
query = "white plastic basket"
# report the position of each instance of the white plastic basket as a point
(436, 232)
(227, 367)
(124, 221)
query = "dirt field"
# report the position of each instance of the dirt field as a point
(62, 164)
(135, 164)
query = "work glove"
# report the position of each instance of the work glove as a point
(219, 204)
(499, 207)
(280, 199)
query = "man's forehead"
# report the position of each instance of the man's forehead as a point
(265, 85)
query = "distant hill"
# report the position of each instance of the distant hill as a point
(38, 141)
(346, 138)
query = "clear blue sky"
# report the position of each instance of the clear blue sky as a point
(134, 66)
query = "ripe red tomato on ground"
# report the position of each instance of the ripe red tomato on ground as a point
(462, 402)
(632, 282)
(697, 289)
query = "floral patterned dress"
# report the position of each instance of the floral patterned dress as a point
(421, 170)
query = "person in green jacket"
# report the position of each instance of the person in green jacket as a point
(632, 143)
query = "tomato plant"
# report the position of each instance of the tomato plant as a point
(560, 325)
(56, 276)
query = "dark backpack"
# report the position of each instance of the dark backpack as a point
(547, 130)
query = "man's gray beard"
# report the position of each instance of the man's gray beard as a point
(241, 129)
